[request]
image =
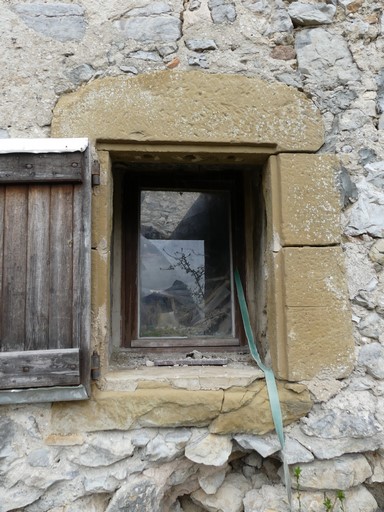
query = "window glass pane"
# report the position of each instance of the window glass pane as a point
(185, 262)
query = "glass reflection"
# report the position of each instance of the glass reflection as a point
(185, 261)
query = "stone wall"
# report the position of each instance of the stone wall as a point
(333, 53)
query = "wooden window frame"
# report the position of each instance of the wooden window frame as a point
(177, 177)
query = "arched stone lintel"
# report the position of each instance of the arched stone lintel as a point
(190, 108)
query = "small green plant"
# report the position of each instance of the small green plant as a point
(329, 505)
(339, 498)
(297, 473)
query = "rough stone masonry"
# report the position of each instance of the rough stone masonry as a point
(332, 51)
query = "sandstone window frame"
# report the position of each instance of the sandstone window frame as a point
(243, 119)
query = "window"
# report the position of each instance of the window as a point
(180, 231)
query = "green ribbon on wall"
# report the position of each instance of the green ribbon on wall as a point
(270, 380)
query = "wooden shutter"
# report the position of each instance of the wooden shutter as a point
(45, 201)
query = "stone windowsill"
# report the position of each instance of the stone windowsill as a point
(195, 378)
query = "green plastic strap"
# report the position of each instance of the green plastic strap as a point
(270, 380)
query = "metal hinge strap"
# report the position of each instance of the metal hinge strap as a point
(95, 366)
(95, 173)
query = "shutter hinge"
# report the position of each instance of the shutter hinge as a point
(95, 366)
(95, 173)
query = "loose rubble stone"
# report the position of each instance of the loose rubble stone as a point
(259, 6)
(157, 28)
(376, 174)
(39, 458)
(103, 450)
(336, 424)
(254, 459)
(269, 498)
(307, 14)
(380, 92)
(157, 450)
(19, 496)
(194, 4)
(324, 57)
(362, 299)
(152, 8)
(295, 453)
(367, 156)
(353, 120)
(167, 49)
(264, 445)
(200, 61)
(63, 22)
(361, 274)
(200, 45)
(81, 74)
(152, 56)
(341, 473)
(274, 499)
(372, 358)
(279, 22)
(367, 214)
(179, 437)
(138, 494)
(292, 79)
(283, 53)
(349, 192)
(377, 252)
(228, 498)
(332, 448)
(222, 11)
(371, 326)
(324, 389)
(208, 449)
(210, 479)
(376, 461)
(129, 69)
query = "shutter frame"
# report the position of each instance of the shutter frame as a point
(60, 369)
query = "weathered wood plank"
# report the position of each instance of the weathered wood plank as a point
(14, 268)
(61, 243)
(45, 167)
(78, 266)
(38, 263)
(38, 368)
